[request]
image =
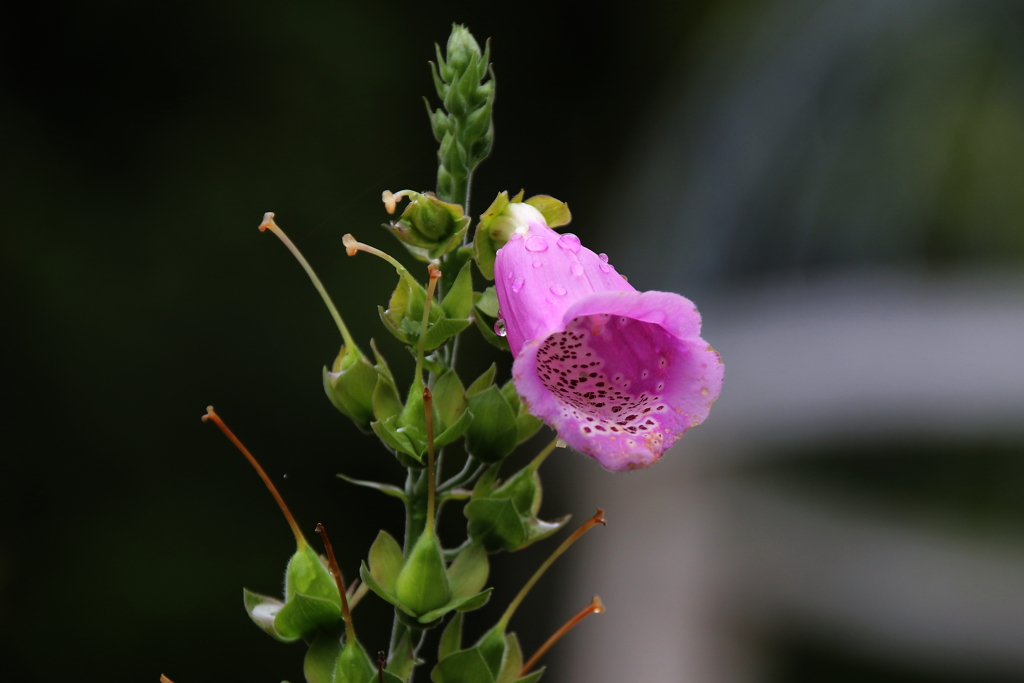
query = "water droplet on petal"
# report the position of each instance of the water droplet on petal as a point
(605, 268)
(569, 241)
(536, 243)
(499, 327)
(515, 236)
(603, 257)
(576, 268)
(558, 290)
(517, 284)
(537, 264)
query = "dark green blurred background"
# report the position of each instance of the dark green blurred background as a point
(140, 145)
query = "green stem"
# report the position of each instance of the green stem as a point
(514, 605)
(269, 224)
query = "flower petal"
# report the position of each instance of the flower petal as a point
(623, 377)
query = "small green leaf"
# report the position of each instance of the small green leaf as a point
(512, 662)
(451, 638)
(483, 381)
(492, 648)
(556, 213)
(397, 441)
(496, 523)
(449, 399)
(263, 610)
(307, 574)
(386, 401)
(488, 302)
(531, 678)
(458, 302)
(465, 666)
(493, 433)
(454, 431)
(327, 661)
(304, 614)
(387, 489)
(387, 596)
(388, 678)
(444, 329)
(467, 575)
(466, 604)
(402, 659)
(386, 560)
(349, 386)
(485, 324)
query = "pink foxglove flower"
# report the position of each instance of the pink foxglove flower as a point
(620, 374)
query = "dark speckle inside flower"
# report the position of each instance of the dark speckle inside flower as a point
(609, 381)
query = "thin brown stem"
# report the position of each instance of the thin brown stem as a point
(595, 607)
(332, 566)
(428, 415)
(584, 528)
(211, 415)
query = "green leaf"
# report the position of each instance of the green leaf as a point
(512, 662)
(458, 302)
(454, 431)
(496, 523)
(531, 678)
(308, 575)
(387, 596)
(467, 575)
(488, 302)
(526, 424)
(327, 661)
(304, 614)
(387, 489)
(263, 610)
(483, 381)
(484, 249)
(451, 638)
(349, 386)
(402, 660)
(444, 329)
(386, 401)
(397, 441)
(388, 678)
(449, 399)
(466, 604)
(485, 323)
(492, 648)
(322, 658)
(386, 560)
(555, 213)
(493, 433)
(465, 666)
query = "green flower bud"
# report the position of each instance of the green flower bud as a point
(422, 584)
(429, 228)
(462, 50)
(350, 384)
(505, 216)
(328, 661)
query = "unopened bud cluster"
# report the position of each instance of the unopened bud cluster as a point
(464, 127)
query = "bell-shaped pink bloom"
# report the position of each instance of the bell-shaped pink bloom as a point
(620, 374)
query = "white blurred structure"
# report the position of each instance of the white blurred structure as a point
(826, 137)
(700, 568)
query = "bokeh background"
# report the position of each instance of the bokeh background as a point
(839, 185)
